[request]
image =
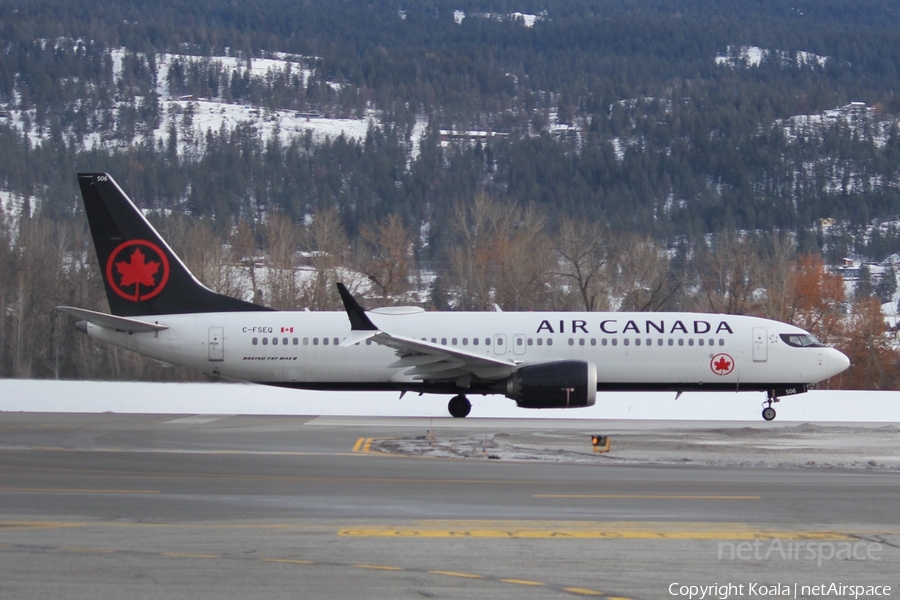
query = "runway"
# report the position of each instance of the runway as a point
(175, 506)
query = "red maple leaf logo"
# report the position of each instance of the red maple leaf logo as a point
(146, 266)
(722, 364)
(137, 272)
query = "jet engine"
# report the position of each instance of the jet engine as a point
(561, 384)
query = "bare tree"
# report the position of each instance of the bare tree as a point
(503, 255)
(327, 251)
(584, 252)
(281, 238)
(475, 225)
(777, 277)
(643, 278)
(385, 258)
(729, 267)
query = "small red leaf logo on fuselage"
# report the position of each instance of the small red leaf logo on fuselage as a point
(721, 364)
(141, 267)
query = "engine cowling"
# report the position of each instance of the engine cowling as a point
(561, 384)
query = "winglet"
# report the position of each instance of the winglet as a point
(358, 319)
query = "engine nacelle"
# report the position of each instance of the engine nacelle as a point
(561, 384)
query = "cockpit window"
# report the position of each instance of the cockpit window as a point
(801, 340)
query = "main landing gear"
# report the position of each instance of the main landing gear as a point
(459, 406)
(768, 412)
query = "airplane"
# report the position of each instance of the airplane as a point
(538, 359)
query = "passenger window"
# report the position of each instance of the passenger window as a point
(530, 341)
(284, 341)
(325, 341)
(605, 341)
(368, 342)
(721, 341)
(540, 341)
(549, 341)
(518, 341)
(615, 341)
(296, 341)
(637, 342)
(453, 341)
(474, 341)
(691, 342)
(712, 342)
(265, 341)
(681, 341)
(315, 341)
(255, 341)
(487, 341)
(700, 341)
(659, 342)
(443, 341)
(593, 341)
(571, 342)
(336, 341)
(626, 341)
(465, 341)
(274, 341)
(671, 342)
(581, 341)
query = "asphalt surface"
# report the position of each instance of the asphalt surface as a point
(174, 506)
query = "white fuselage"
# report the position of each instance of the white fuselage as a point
(630, 350)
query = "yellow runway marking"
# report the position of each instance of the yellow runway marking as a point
(364, 445)
(456, 574)
(289, 561)
(380, 567)
(40, 524)
(647, 496)
(582, 591)
(188, 555)
(572, 534)
(32, 490)
(522, 582)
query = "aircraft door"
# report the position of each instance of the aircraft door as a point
(216, 343)
(760, 345)
(500, 344)
(519, 344)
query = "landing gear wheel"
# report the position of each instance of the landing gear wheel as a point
(768, 413)
(459, 406)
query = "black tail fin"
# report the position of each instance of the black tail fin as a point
(142, 274)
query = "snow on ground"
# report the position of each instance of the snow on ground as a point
(216, 114)
(752, 56)
(527, 20)
(20, 395)
(212, 114)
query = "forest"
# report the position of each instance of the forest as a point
(640, 156)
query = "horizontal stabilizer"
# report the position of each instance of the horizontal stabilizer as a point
(108, 321)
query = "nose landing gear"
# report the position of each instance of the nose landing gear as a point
(768, 412)
(459, 406)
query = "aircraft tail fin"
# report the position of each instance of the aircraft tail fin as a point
(141, 273)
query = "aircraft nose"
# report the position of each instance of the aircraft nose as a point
(837, 362)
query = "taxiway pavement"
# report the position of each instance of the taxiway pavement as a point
(175, 506)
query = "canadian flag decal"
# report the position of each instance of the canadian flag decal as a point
(287, 330)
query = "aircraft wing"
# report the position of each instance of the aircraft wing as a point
(425, 361)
